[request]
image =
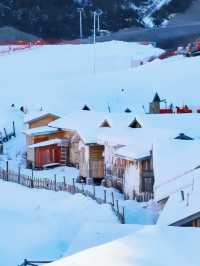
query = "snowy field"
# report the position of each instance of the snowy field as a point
(142, 246)
(38, 224)
(42, 224)
(61, 78)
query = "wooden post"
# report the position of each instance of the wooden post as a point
(123, 215)
(32, 172)
(55, 182)
(64, 182)
(94, 192)
(19, 174)
(113, 199)
(74, 188)
(7, 170)
(105, 196)
(6, 134)
(134, 194)
(117, 204)
(14, 131)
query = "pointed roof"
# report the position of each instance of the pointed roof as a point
(135, 124)
(105, 123)
(127, 110)
(182, 136)
(156, 98)
(85, 108)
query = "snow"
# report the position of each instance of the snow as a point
(46, 143)
(150, 245)
(38, 224)
(96, 234)
(182, 157)
(40, 130)
(177, 209)
(51, 73)
(60, 79)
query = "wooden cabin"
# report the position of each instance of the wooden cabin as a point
(48, 146)
(146, 173)
(92, 162)
(42, 149)
(120, 166)
(130, 175)
(40, 120)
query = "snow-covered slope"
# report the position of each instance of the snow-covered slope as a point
(147, 246)
(61, 78)
(38, 224)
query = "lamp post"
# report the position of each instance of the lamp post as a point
(94, 40)
(80, 10)
(94, 26)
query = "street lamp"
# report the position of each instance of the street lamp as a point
(94, 40)
(80, 10)
(94, 26)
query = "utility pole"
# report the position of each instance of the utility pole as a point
(80, 10)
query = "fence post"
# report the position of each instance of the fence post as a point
(64, 182)
(32, 172)
(113, 199)
(94, 192)
(105, 196)
(123, 215)
(117, 204)
(7, 170)
(134, 194)
(19, 174)
(55, 182)
(74, 185)
(14, 131)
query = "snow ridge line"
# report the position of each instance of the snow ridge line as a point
(54, 185)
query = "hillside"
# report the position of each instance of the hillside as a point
(60, 19)
(66, 73)
(108, 77)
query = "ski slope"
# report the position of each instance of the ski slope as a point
(61, 78)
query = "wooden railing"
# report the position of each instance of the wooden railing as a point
(53, 184)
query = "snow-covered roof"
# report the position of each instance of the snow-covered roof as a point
(36, 115)
(177, 210)
(40, 130)
(89, 124)
(45, 143)
(175, 163)
(148, 245)
(188, 124)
